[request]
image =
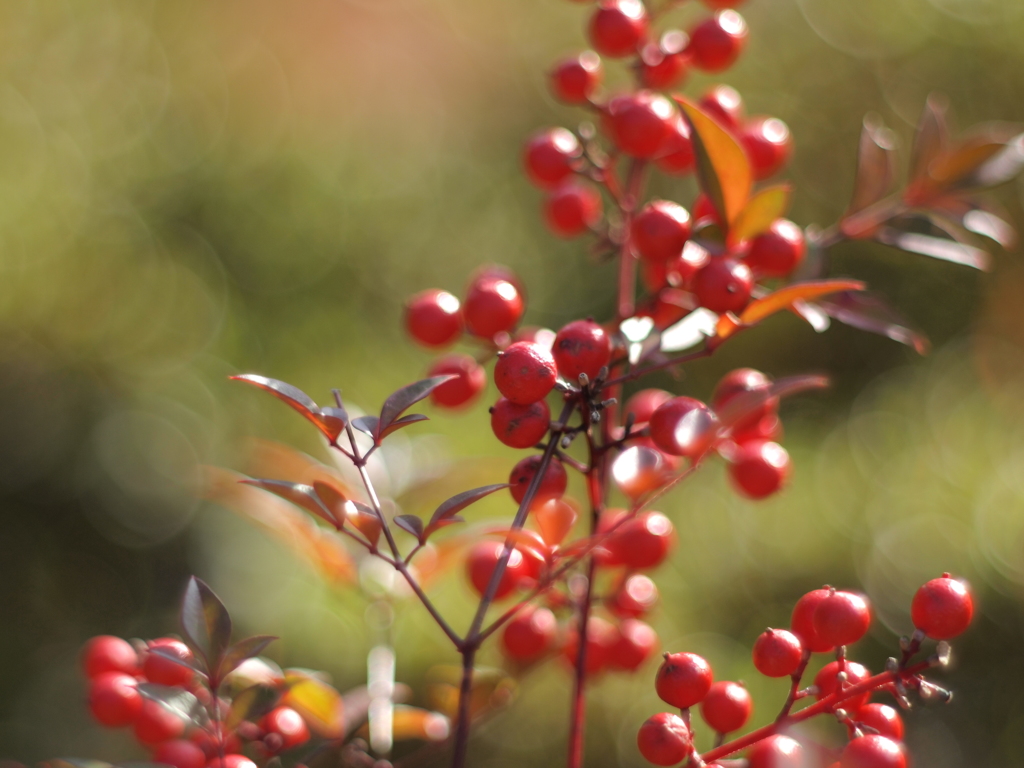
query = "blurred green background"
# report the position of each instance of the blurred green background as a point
(193, 189)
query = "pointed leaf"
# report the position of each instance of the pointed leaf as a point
(815, 316)
(411, 524)
(333, 500)
(192, 663)
(459, 502)
(367, 425)
(333, 420)
(722, 165)
(176, 700)
(297, 493)
(1003, 167)
(764, 208)
(405, 421)
(870, 312)
(961, 166)
(242, 650)
(205, 622)
(876, 160)
(740, 407)
(296, 399)
(784, 297)
(930, 139)
(937, 248)
(319, 704)
(989, 225)
(409, 395)
(252, 704)
(365, 520)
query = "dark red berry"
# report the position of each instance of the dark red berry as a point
(550, 155)
(725, 104)
(759, 468)
(618, 27)
(289, 725)
(778, 251)
(552, 485)
(802, 622)
(520, 426)
(776, 751)
(660, 230)
(525, 372)
(873, 751)
(643, 542)
(107, 653)
(644, 403)
(942, 608)
(716, 43)
(433, 318)
(641, 123)
(481, 561)
(724, 285)
(727, 706)
(842, 618)
(161, 670)
(574, 79)
(683, 427)
(664, 739)
(529, 634)
(826, 682)
(636, 643)
(470, 380)
(601, 639)
(676, 156)
(882, 718)
(492, 305)
(739, 382)
(777, 653)
(114, 699)
(156, 724)
(768, 144)
(180, 754)
(572, 208)
(683, 680)
(581, 347)
(636, 597)
(663, 65)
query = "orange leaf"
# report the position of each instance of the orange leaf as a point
(320, 705)
(783, 298)
(763, 209)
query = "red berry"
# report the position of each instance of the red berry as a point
(550, 155)
(644, 403)
(601, 639)
(842, 618)
(704, 209)
(639, 470)
(156, 724)
(942, 608)
(759, 468)
(574, 80)
(778, 251)
(107, 653)
(581, 347)
(802, 623)
(470, 380)
(644, 541)
(742, 381)
(826, 683)
(231, 761)
(676, 156)
(552, 485)
(715, 43)
(664, 739)
(114, 699)
(873, 751)
(529, 634)
(636, 597)
(882, 718)
(158, 669)
(768, 428)
(618, 27)
(488, 272)
(481, 561)
(641, 123)
(572, 208)
(491, 306)
(525, 372)
(433, 318)
(777, 653)
(180, 754)
(725, 104)
(724, 285)
(683, 680)
(768, 144)
(635, 644)
(664, 65)
(289, 725)
(726, 707)
(776, 751)
(660, 230)
(520, 426)
(683, 427)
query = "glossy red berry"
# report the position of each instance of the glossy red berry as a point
(641, 123)
(552, 485)
(664, 65)
(161, 670)
(618, 27)
(645, 541)
(873, 751)
(636, 643)
(767, 428)
(572, 208)
(664, 739)
(716, 43)
(525, 372)
(639, 470)
(644, 403)
(574, 79)
(727, 706)
(231, 761)
(660, 230)
(601, 639)
(778, 251)
(842, 618)
(676, 156)
(288, 724)
(942, 608)
(581, 347)
(529, 634)
(470, 380)
(739, 382)
(882, 718)
(520, 426)
(636, 597)
(433, 318)
(107, 653)
(802, 622)
(180, 754)
(759, 468)
(777, 653)
(550, 156)
(826, 682)
(776, 751)
(768, 144)
(683, 427)
(156, 724)
(114, 699)
(724, 285)
(683, 680)
(725, 104)
(481, 561)
(492, 305)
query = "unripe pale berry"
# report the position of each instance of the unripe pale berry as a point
(636, 643)
(433, 318)
(683, 426)
(520, 426)
(716, 43)
(827, 681)
(163, 671)
(777, 653)
(180, 754)
(768, 144)
(776, 751)
(660, 230)
(289, 725)
(842, 618)
(873, 751)
(636, 597)
(470, 380)
(492, 305)
(725, 104)
(942, 608)
(618, 27)
(640, 123)
(882, 718)
(802, 622)
(778, 251)
(574, 79)
(664, 65)
(114, 699)
(529, 634)
(481, 561)
(664, 739)
(727, 706)
(581, 347)
(525, 372)
(724, 285)
(572, 208)
(676, 156)
(156, 724)
(552, 485)
(549, 156)
(683, 680)
(107, 653)
(759, 468)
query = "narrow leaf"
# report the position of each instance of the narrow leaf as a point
(411, 524)
(870, 312)
(396, 404)
(251, 704)
(333, 500)
(459, 502)
(991, 226)
(413, 723)
(937, 248)
(365, 520)
(405, 421)
(1003, 167)
(763, 209)
(930, 139)
(205, 622)
(191, 663)
(367, 425)
(815, 316)
(296, 399)
(319, 704)
(961, 166)
(783, 298)
(740, 407)
(242, 650)
(876, 160)
(297, 493)
(177, 701)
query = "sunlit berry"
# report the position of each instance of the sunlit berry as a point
(525, 372)
(664, 65)
(636, 643)
(777, 252)
(873, 751)
(180, 754)
(288, 724)
(664, 739)
(676, 155)
(660, 230)
(433, 318)
(882, 718)
(637, 596)
(529, 634)
(470, 380)
(802, 622)
(492, 305)
(842, 618)
(768, 144)
(942, 608)
(645, 541)
(114, 699)
(777, 653)
(639, 470)
(776, 751)
(550, 156)
(107, 653)
(716, 43)
(683, 680)
(826, 682)
(159, 669)
(481, 562)
(704, 211)
(640, 123)
(520, 426)
(552, 484)
(618, 27)
(739, 382)
(574, 79)
(581, 347)
(724, 285)
(759, 468)
(727, 706)
(156, 724)
(572, 208)
(683, 426)
(725, 104)
(601, 639)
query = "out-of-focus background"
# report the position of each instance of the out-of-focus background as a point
(192, 189)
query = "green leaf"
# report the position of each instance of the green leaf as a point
(764, 208)
(205, 622)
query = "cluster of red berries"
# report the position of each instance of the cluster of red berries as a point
(823, 620)
(119, 673)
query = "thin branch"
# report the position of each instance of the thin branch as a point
(637, 373)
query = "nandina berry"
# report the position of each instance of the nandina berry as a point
(288, 724)
(525, 372)
(704, 211)
(159, 669)
(487, 272)
(725, 104)
(644, 403)
(716, 43)
(724, 285)
(114, 699)
(520, 426)
(601, 639)
(481, 561)
(660, 230)
(574, 79)
(180, 754)
(768, 144)
(778, 251)
(942, 608)
(873, 751)
(664, 739)
(826, 681)
(776, 751)
(231, 761)
(640, 123)
(572, 208)
(636, 643)
(639, 470)
(618, 27)
(156, 724)
(676, 156)
(645, 541)
(667, 308)
(802, 622)
(635, 597)
(433, 318)
(684, 267)
(842, 618)
(727, 706)
(552, 484)
(882, 718)
(470, 380)
(759, 468)
(492, 305)
(742, 381)
(550, 156)
(663, 65)
(683, 426)
(683, 680)
(767, 428)
(581, 347)
(529, 634)
(106, 653)
(777, 653)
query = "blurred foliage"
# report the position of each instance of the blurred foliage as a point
(192, 189)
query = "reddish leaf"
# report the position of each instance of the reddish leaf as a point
(368, 425)
(411, 524)
(205, 622)
(936, 247)
(333, 500)
(741, 406)
(764, 208)
(876, 162)
(365, 520)
(194, 663)
(409, 395)
(459, 502)
(870, 312)
(783, 298)
(405, 421)
(1003, 167)
(968, 164)
(930, 139)
(320, 705)
(176, 701)
(242, 650)
(297, 399)
(297, 493)
(252, 704)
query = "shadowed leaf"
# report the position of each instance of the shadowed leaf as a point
(1003, 167)
(763, 209)
(367, 425)
(333, 500)
(298, 493)
(320, 705)
(252, 704)
(396, 404)
(177, 701)
(930, 139)
(962, 166)
(740, 407)
(411, 524)
(876, 160)
(936, 247)
(990, 225)
(405, 421)
(297, 399)
(459, 502)
(205, 622)
(870, 312)
(194, 664)
(242, 650)
(783, 298)
(365, 520)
